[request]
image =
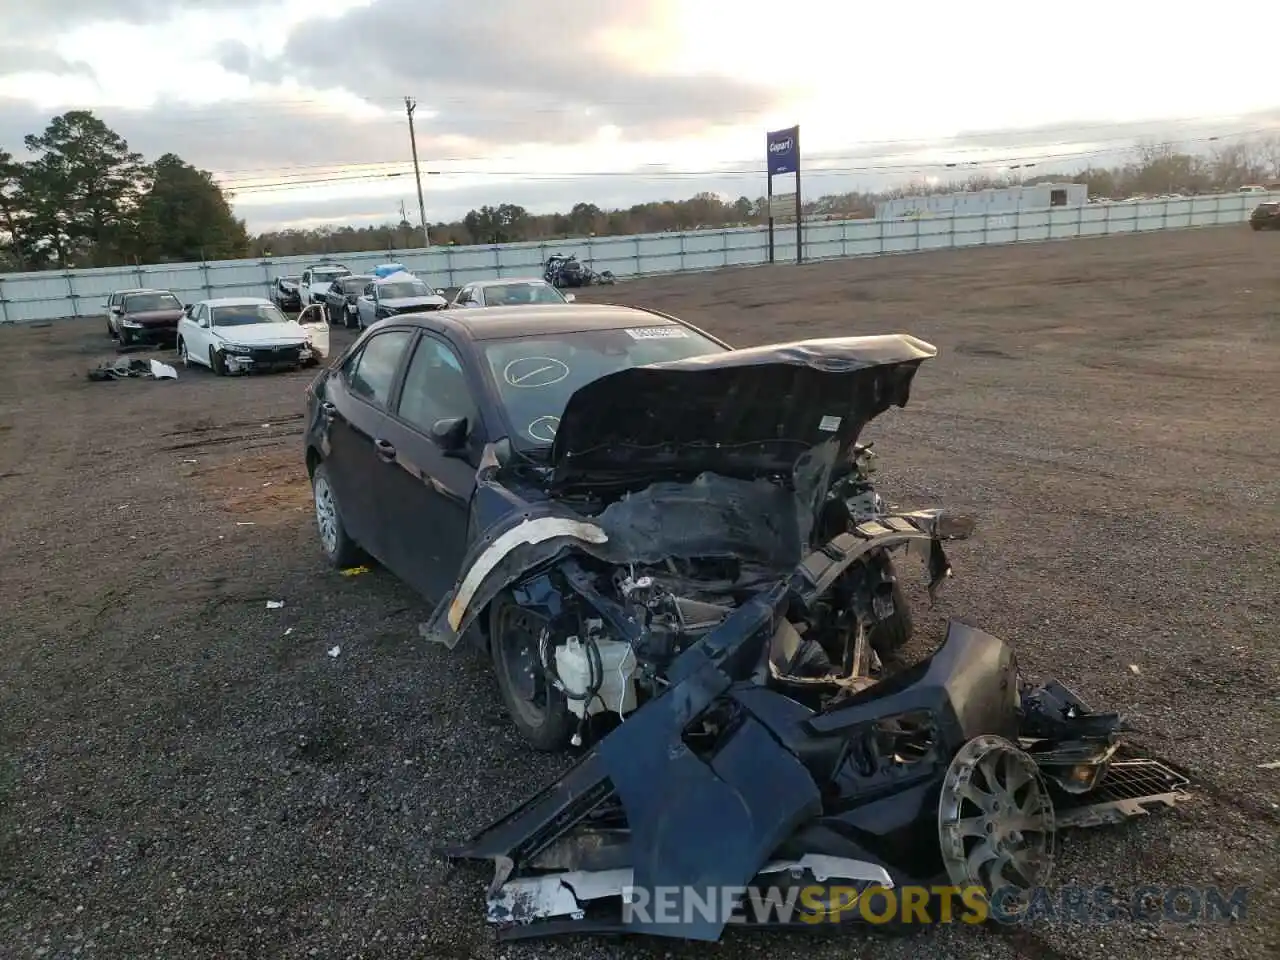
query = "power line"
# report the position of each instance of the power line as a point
(381, 169)
(910, 166)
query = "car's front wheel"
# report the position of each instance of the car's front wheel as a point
(216, 363)
(339, 549)
(538, 710)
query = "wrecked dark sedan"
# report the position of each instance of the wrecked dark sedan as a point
(672, 550)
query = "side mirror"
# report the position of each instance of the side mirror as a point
(439, 291)
(450, 434)
(570, 297)
(117, 310)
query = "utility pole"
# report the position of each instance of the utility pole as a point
(409, 106)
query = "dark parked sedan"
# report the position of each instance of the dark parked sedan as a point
(1266, 216)
(399, 426)
(286, 295)
(340, 299)
(149, 317)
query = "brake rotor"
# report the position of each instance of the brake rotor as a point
(996, 823)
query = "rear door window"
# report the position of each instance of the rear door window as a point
(372, 372)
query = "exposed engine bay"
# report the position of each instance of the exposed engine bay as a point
(739, 623)
(700, 550)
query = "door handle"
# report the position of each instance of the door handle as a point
(386, 450)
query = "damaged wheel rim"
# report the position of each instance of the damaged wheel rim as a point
(326, 516)
(996, 823)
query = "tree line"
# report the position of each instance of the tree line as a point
(84, 199)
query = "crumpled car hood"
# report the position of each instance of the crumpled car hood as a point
(743, 413)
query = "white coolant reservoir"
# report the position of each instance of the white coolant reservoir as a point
(617, 693)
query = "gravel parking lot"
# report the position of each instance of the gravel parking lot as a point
(187, 773)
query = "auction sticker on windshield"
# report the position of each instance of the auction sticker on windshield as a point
(657, 333)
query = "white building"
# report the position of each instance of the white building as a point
(1004, 200)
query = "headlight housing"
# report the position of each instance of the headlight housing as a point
(236, 348)
(131, 324)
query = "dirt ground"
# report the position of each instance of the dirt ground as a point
(187, 773)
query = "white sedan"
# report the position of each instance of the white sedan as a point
(243, 334)
(510, 292)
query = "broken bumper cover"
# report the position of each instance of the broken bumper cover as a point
(785, 794)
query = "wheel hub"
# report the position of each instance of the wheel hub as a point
(995, 822)
(326, 516)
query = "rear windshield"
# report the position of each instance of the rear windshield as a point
(144, 302)
(354, 284)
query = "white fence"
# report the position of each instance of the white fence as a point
(81, 293)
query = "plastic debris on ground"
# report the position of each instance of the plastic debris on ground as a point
(274, 604)
(334, 651)
(125, 368)
(354, 571)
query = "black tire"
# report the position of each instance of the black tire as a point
(543, 719)
(339, 549)
(1256, 226)
(111, 331)
(126, 339)
(889, 637)
(215, 363)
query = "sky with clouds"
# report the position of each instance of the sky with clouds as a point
(297, 106)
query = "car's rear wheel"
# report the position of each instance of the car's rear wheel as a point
(539, 711)
(339, 549)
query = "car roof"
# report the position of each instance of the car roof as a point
(502, 281)
(236, 302)
(501, 323)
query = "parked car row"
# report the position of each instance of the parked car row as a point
(358, 300)
(225, 334)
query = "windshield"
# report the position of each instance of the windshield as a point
(241, 315)
(537, 375)
(403, 288)
(512, 294)
(329, 273)
(144, 302)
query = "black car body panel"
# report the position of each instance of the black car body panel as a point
(782, 784)
(1266, 216)
(710, 412)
